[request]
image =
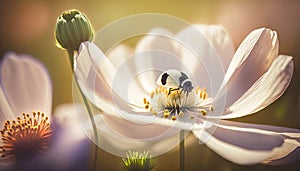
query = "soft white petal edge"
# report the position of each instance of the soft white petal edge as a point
(70, 139)
(268, 88)
(119, 54)
(219, 37)
(95, 75)
(5, 110)
(117, 144)
(67, 116)
(201, 58)
(86, 69)
(281, 143)
(251, 60)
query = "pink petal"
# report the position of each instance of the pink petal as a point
(154, 52)
(252, 59)
(100, 81)
(269, 87)
(26, 84)
(5, 110)
(96, 87)
(67, 116)
(220, 39)
(251, 144)
(118, 144)
(201, 59)
(119, 54)
(71, 143)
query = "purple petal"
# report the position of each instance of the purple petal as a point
(26, 84)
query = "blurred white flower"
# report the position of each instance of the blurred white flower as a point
(137, 114)
(34, 141)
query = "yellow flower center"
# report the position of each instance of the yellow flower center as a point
(25, 136)
(174, 104)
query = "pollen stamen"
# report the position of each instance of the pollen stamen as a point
(25, 137)
(173, 104)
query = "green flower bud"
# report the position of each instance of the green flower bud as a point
(72, 28)
(138, 161)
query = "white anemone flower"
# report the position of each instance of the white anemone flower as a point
(30, 138)
(136, 113)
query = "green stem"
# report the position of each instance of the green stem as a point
(181, 157)
(91, 116)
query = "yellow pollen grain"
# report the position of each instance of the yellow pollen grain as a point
(181, 113)
(174, 118)
(192, 116)
(152, 95)
(203, 112)
(145, 100)
(166, 113)
(166, 92)
(197, 89)
(205, 95)
(161, 88)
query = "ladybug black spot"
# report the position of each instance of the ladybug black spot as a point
(164, 78)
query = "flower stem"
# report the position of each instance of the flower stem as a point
(91, 116)
(181, 146)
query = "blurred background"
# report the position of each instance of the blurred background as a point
(27, 27)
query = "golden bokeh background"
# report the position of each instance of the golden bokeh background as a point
(27, 27)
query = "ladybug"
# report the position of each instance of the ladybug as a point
(175, 80)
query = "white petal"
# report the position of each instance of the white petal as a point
(251, 144)
(200, 58)
(71, 144)
(89, 64)
(118, 144)
(265, 90)
(220, 39)
(252, 59)
(118, 135)
(107, 87)
(153, 52)
(26, 84)
(101, 83)
(144, 118)
(5, 110)
(66, 115)
(119, 54)
(158, 39)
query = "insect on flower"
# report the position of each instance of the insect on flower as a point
(175, 80)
